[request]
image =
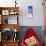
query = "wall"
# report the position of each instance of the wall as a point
(37, 19)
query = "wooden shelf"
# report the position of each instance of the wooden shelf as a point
(5, 8)
(5, 25)
(10, 26)
(8, 42)
(11, 41)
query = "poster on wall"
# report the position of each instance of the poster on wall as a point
(30, 11)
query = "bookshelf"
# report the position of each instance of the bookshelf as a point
(9, 22)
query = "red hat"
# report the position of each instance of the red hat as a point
(29, 33)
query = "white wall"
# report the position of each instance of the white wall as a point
(37, 19)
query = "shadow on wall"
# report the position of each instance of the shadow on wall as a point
(37, 29)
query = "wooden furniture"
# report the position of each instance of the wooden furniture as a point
(44, 8)
(8, 11)
(10, 43)
(5, 13)
(0, 43)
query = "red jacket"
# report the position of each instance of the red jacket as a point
(29, 33)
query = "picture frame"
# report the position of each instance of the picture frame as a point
(30, 11)
(5, 12)
(12, 12)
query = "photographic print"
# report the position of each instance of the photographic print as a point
(30, 11)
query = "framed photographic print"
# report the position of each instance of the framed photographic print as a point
(13, 12)
(5, 12)
(30, 11)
